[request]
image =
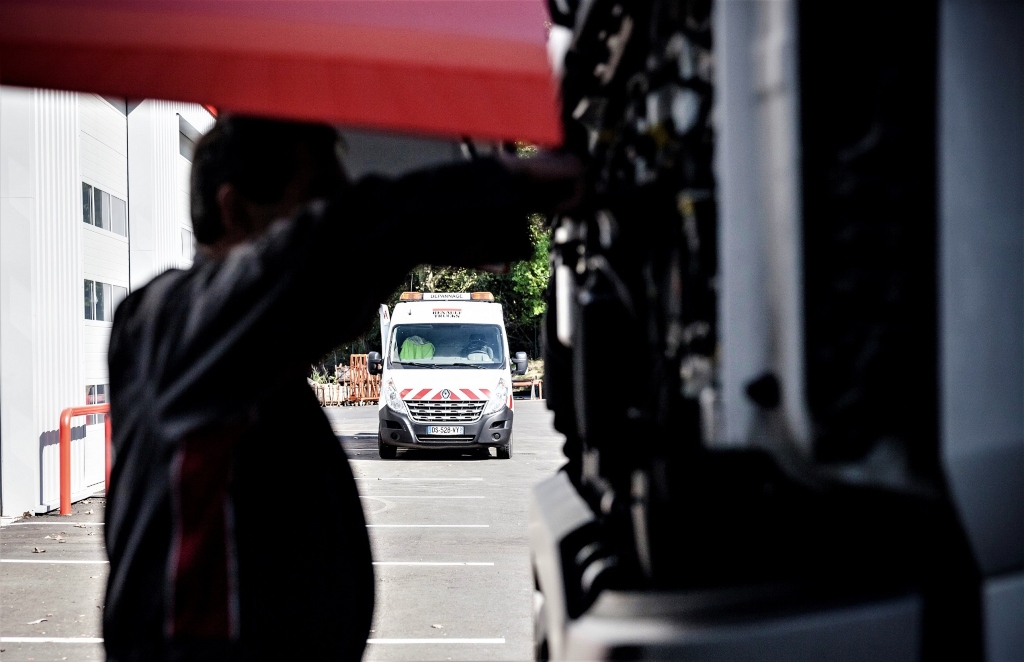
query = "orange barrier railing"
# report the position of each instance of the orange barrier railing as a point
(65, 450)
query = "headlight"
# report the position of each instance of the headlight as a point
(394, 400)
(498, 398)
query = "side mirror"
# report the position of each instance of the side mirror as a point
(374, 364)
(520, 363)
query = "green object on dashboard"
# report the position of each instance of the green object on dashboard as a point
(415, 348)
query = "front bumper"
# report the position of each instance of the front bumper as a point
(400, 430)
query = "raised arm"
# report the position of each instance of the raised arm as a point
(274, 305)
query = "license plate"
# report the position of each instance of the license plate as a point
(445, 429)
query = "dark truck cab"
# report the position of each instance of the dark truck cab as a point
(804, 220)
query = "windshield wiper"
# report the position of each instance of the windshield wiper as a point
(440, 365)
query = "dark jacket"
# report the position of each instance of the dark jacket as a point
(234, 528)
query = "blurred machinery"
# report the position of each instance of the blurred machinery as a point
(806, 224)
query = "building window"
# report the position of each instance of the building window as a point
(90, 302)
(188, 245)
(118, 216)
(101, 299)
(95, 394)
(103, 210)
(117, 295)
(87, 204)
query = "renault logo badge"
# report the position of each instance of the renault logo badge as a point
(446, 394)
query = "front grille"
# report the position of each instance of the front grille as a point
(444, 439)
(445, 411)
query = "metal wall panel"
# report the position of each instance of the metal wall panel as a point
(184, 210)
(57, 276)
(152, 176)
(96, 338)
(19, 447)
(743, 300)
(758, 169)
(981, 207)
(105, 256)
(104, 145)
(104, 152)
(50, 142)
(201, 120)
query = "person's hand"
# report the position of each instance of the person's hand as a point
(555, 177)
(553, 180)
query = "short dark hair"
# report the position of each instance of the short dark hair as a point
(259, 157)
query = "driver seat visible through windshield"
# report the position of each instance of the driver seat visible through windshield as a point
(477, 349)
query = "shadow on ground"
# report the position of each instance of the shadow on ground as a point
(364, 447)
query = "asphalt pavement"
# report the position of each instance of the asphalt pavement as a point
(449, 538)
(53, 573)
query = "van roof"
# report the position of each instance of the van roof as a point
(446, 296)
(447, 311)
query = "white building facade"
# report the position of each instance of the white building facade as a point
(93, 204)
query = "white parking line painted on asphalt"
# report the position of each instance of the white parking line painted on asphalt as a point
(376, 563)
(51, 640)
(68, 523)
(431, 563)
(407, 496)
(447, 480)
(54, 561)
(427, 526)
(99, 640)
(437, 640)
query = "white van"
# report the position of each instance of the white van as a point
(446, 374)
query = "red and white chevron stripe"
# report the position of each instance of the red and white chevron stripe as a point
(438, 394)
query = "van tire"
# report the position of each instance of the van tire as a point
(505, 452)
(385, 451)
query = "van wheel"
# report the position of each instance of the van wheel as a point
(385, 451)
(505, 452)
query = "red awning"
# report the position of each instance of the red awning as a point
(445, 67)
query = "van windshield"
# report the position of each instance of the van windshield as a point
(447, 345)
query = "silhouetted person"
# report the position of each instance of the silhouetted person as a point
(234, 528)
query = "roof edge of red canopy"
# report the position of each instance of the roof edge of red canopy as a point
(420, 82)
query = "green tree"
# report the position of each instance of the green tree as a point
(520, 292)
